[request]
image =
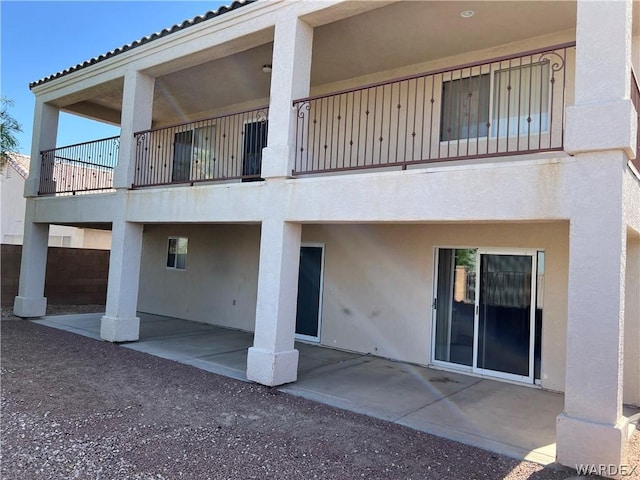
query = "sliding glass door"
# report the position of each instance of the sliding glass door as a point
(454, 306)
(505, 319)
(485, 311)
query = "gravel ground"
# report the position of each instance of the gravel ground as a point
(76, 408)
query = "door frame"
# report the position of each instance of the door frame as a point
(310, 338)
(473, 369)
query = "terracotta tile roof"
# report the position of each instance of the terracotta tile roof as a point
(20, 163)
(144, 40)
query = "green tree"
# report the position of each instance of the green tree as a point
(466, 257)
(10, 127)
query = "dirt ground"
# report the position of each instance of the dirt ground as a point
(73, 407)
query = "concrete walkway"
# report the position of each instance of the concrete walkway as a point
(512, 420)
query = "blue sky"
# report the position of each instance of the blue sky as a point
(41, 38)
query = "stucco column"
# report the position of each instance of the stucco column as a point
(137, 107)
(120, 323)
(592, 430)
(45, 132)
(272, 360)
(31, 301)
(632, 322)
(290, 80)
(600, 132)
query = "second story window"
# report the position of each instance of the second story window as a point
(177, 253)
(510, 102)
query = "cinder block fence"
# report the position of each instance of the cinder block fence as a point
(75, 276)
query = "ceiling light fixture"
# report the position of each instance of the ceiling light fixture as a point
(467, 13)
(266, 68)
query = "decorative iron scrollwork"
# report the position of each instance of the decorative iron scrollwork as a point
(555, 60)
(262, 116)
(140, 138)
(302, 108)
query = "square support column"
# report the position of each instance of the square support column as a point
(45, 132)
(290, 80)
(600, 132)
(592, 429)
(272, 360)
(137, 107)
(31, 301)
(120, 323)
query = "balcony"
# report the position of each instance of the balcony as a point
(222, 148)
(502, 107)
(512, 105)
(82, 168)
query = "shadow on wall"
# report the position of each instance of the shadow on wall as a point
(75, 276)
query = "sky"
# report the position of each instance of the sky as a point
(38, 39)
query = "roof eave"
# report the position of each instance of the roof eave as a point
(236, 4)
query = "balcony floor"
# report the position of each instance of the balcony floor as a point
(513, 420)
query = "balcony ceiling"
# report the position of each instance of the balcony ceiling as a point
(385, 38)
(413, 32)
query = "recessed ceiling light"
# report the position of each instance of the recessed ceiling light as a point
(467, 13)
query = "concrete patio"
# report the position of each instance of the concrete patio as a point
(514, 420)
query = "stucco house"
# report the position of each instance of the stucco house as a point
(453, 184)
(13, 206)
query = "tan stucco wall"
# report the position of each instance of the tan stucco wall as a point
(98, 239)
(378, 285)
(378, 281)
(219, 284)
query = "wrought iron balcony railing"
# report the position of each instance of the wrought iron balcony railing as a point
(510, 105)
(227, 147)
(82, 168)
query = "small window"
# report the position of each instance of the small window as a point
(177, 253)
